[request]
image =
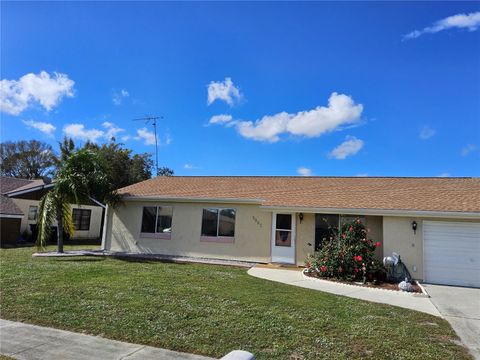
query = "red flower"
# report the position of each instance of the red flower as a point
(323, 268)
(377, 244)
(356, 270)
(357, 258)
(351, 228)
(344, 235)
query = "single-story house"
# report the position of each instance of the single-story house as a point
(433, 223)
(19, 200)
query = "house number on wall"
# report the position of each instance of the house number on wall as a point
(257, 221)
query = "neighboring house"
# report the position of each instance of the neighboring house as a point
(282, 219)
(19, 200)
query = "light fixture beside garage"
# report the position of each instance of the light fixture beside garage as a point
(414, 227)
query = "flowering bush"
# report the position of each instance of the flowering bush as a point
(348, 255)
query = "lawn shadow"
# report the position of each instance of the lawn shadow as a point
(81, 258)
(143, 259)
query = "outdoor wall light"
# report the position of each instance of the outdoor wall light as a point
(414, 227)
(300, 216)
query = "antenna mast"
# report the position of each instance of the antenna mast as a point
(153, 120)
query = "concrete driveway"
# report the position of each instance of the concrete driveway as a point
(461, 308)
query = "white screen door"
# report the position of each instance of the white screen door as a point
(283, 238)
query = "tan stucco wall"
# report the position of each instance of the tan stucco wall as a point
(95, 219)
(305, 235)
(398, 237)
(252, 232)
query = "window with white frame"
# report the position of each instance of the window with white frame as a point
(32, 212)
(218, 222)
(157, 220)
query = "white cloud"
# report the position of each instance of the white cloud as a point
(220, 119)
(48, 91)
(468, 149)
(126, 138)
(111, 130)
(470, 22)
(148, 137)
(78, 131)
(118, 97)
(303, 171)
(445, 174)
(349, 147)
(223, 90)
(362, 175)
(426, 132)
(190, 167)
(44, 127)
(168, 139)
(341, 111)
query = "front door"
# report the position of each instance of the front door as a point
(283, 238)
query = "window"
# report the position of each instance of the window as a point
(218, 223)
(32, 212)
(283, 232)
(326, 226)
(81, 219)
(157, 221)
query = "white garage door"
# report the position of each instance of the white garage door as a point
(451, 252)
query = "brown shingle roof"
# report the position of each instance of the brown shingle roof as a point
(7, 206)
(411, 194)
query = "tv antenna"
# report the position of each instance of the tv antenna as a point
(152, 120)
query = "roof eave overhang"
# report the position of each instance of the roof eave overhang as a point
(377, 212)
(17, 193)
(11, 216)
(193, 199)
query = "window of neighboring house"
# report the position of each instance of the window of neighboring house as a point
(81, 219)
(32, 212)
(157, 222)
(218, 225)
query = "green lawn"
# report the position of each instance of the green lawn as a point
(211, 310)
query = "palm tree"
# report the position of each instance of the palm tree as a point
(79, 176)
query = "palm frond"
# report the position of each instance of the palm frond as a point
(68, 226)
(47, 212)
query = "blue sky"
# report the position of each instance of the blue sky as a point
(363, 88)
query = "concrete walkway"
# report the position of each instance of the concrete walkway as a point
(23, 341)
(460, 306)
(295, 277)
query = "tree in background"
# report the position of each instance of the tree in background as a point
(26, 159)
(165, 171)
(123, 168)
(79, 177)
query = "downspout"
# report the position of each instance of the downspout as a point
(104, 229)
(103, 220)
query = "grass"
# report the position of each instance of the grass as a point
(211, 310)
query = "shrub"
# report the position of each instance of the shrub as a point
(349, 255)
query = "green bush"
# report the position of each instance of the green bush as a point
(349, 255)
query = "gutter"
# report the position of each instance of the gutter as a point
(199, 200)
(11, 216)
(26, 191)
(377, 212)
